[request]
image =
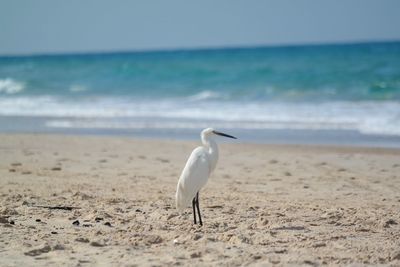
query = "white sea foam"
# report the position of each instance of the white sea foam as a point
(175, 124)
(204, 95)
(10, 86)
(375, 118)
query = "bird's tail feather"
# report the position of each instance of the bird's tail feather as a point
(182, 201)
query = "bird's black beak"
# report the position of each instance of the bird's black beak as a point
(223, 134)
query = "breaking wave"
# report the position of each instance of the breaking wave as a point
(10, 86)
(369, 117)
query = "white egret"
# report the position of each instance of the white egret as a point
(195, 174)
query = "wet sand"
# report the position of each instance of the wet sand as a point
(109, 201)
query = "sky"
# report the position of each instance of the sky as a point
(70, 26)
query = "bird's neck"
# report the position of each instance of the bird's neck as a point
(212, 149)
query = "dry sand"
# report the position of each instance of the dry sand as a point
(264, 205)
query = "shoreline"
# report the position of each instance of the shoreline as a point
(37, 125)
(265, 204)
(195, 141)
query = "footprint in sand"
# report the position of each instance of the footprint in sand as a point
(275, 180)
(82, 240)
(97, 244)
(43, 249)
(28, 153)
(162, 160)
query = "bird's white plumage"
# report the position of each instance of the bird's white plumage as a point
(194, 176)
(198, 168)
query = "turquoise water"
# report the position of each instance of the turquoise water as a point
(328, 87)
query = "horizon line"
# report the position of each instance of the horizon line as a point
(192, 49)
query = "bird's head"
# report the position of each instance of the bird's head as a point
(211, 131)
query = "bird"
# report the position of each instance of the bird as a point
(201, 163)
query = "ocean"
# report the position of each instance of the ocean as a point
(319, 94)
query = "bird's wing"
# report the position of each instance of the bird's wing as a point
(194, 176)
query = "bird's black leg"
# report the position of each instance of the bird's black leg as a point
(194, 209)
(198, 208)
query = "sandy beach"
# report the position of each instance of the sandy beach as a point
(109, 201)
